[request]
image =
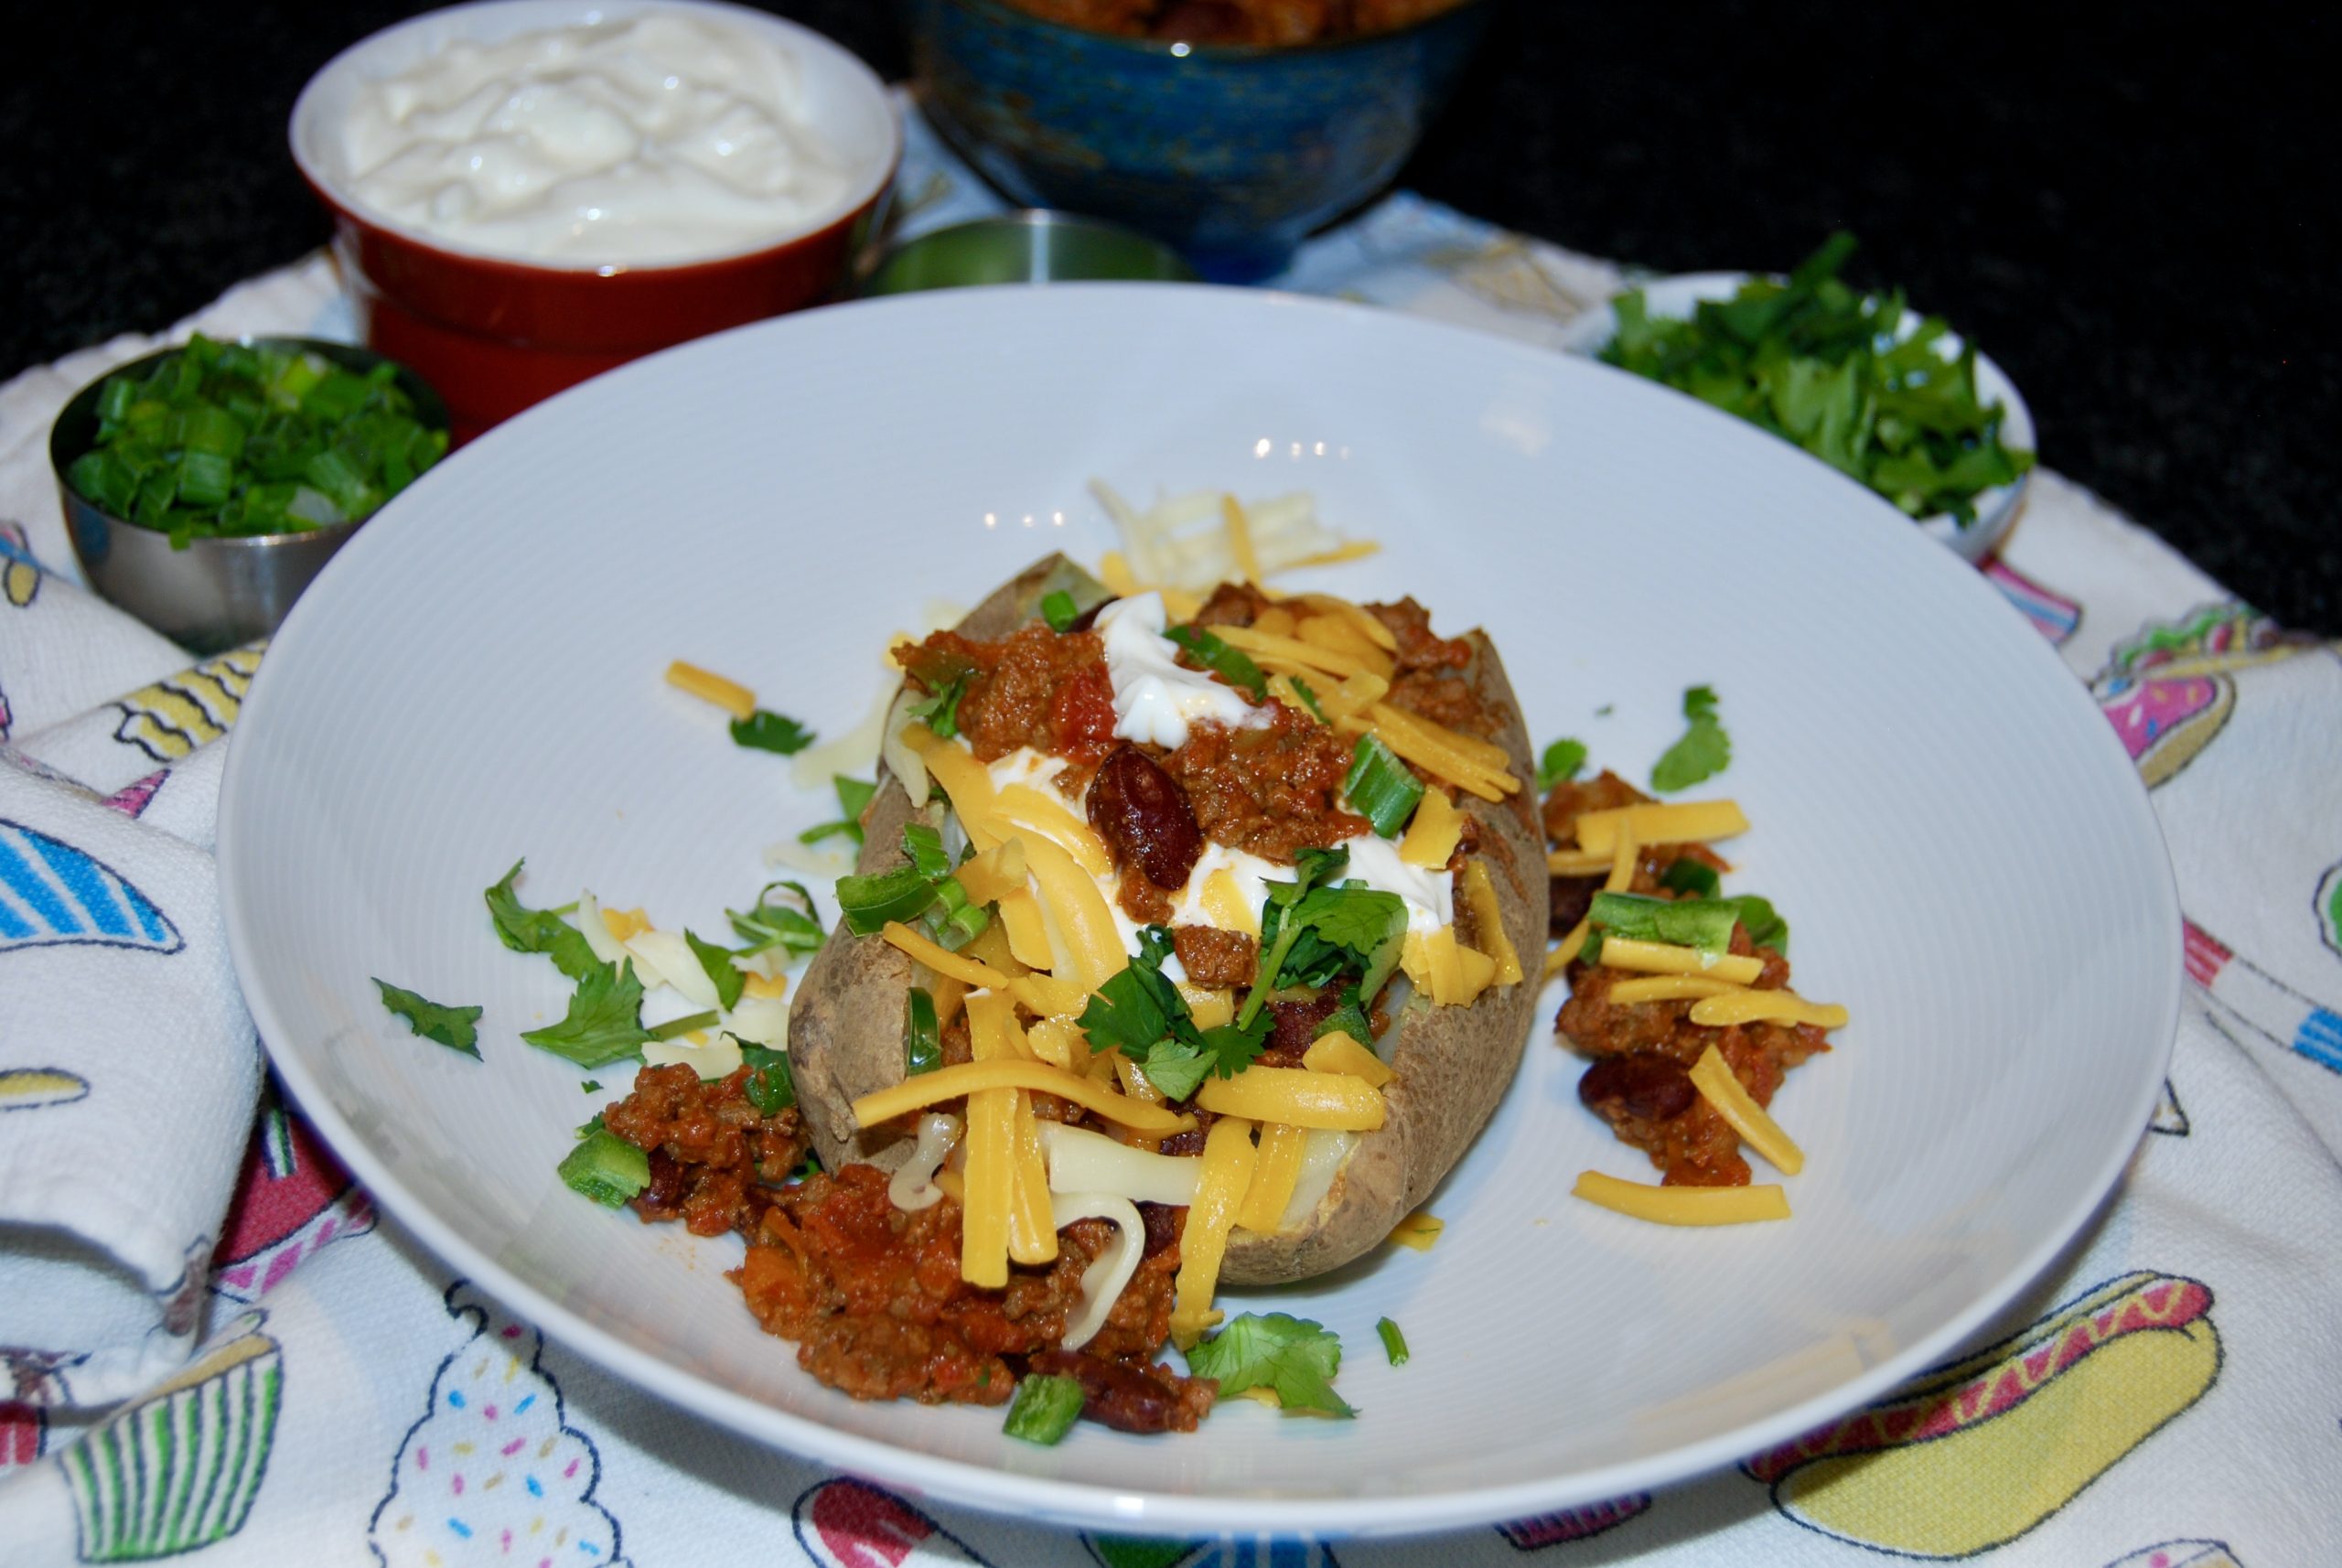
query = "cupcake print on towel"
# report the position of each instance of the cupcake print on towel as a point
(487, 1474)
(180, 1469)
(851, 1524)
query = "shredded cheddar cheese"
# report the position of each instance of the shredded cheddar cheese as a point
(1023, 806)
(1077, 916)
(968, 1078)
(1488, 922)
(1338, 1052)
(1274, 1172)
(1767, 1006)
(1239, 540)
(1028, 932)
(1418, 1230)
(1660, 958)
(990, 1174)
(1669, 988)
(1220, 1185)
(1682, 1205)
(709, 687)
(1723, 1089)
(1684, 822)
(1338, 1102)
(1223, 900)
(958, 966)
(764, 988)
(624, 925)
(1431, 833)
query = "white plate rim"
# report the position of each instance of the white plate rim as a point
(1077, 1504)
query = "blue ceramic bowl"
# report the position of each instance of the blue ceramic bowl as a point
(1230, 154)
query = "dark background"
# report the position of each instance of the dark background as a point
(2133, 211)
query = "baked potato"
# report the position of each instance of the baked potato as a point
(1448, 1063)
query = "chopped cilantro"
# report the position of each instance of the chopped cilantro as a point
(591, 1086)
(940, 711)
(1561, 760)
(766, 731)
(450, 1027)
(770, 1086)
(1143, 1014)
(1292, 1356)
(524, 930)
(1702, 752)
(721, 972)
(853, 799)
(604, 1024)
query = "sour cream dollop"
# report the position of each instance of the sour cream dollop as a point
(1155, 699)
(659, 138)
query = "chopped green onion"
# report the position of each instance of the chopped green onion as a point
(1231, 665)
(922, 1039)
(1381, 787)
(925, 847)
(867, 903)
(1704, 924)
(1394, 1344)
(1059, 610)
(796, 931)
(1045, 1409)
(676, 1029)
(606, 1168)
(218, 441)
(956, 920)
(1308, 700)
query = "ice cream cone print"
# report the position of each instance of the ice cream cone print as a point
(171, 718)
(31, 1088)
(52, 893)
(852, 1524)
(180, 1469)
(1572, 1524)
(2179, 1554)
(1982, 1451)
(489, 1473)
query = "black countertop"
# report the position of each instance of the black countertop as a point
(2137, 218)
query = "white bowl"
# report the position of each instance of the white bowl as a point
(1672, 299)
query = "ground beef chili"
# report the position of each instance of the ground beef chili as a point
(1639, 1080)
(1215, 958)
(1270, 790)
(873, 1296)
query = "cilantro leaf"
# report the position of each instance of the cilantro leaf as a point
(770, 1085)
(853, 799)
(940, 711)
(768, 731)
(1561, 760)
(604, 1024)
(1293, 1356)
(450, 1027)
(1702, 752)
(721, 972)
(1142, 1015)
(524, 930)
(774, 923)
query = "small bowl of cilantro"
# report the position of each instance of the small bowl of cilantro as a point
(1896, 400)
(206, 485)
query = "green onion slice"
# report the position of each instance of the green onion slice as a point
(605, 1167)
(1045, 1409)
(1059, 610)
(1231, 665)
(922, 1037)
(1381, 787)
(1394, 1344)
(1702, 923)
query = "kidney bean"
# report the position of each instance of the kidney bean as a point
(1111, 1394)
(1162, 1223)
(1641, 1084)
(1144, 816)
(1568, 900)
(666, 1187)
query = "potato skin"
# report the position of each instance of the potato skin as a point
(1453, 1064)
